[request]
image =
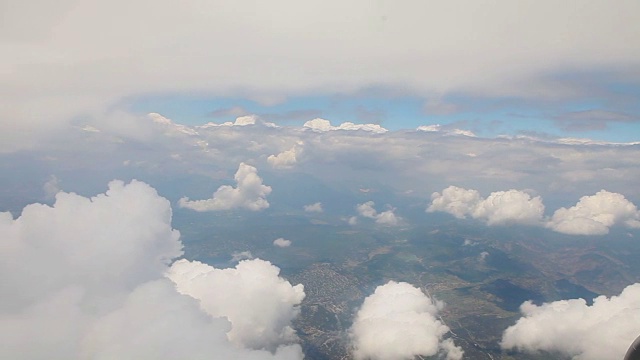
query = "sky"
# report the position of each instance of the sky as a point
(494, 67)
(378, 114)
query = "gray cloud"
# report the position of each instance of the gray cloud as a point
(227, 50)
(589, 120)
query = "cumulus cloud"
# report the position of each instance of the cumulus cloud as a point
(500, 207)
(602, 331)
(511, 206)
(249, 193)
(281, 242)
(595, 214)
(322, 125)
(315, 207)
(398, 321)
(456, 201)
(286, 159)
(259, 304)
(85, 278)
(240, 121)
(367, 210)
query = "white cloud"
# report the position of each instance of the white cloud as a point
(387, 218)
(170, 125)
(259, 304)
(602, 331)
(447, 131)
(240, 121)
(315, 207)
(241, 255)
(286, 159)
(85, 278)
(398, 321)
(454, 200)
(249, 193)
(595, 214)
(511, 206)
(322, 125)
(500, 207)
(367, 210)
(51, 187)
(281, 242)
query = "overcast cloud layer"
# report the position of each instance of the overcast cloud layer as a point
(602, 331)
(84, 278)
(86, 57)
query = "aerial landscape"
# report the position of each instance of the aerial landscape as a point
(319, 180)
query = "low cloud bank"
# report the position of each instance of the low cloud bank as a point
(322, 125)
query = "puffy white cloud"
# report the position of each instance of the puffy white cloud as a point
(240, 121)
(387, 218)
(259, 304)
(315, 207)
(398, 321)
(602, 331)
(322, 125)
(454, 200)
(281, 242)
(85, 278)
(367, 210)
(595, 214)
(592, 215)
(286, 159)
(512, 206)
(249, 193)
